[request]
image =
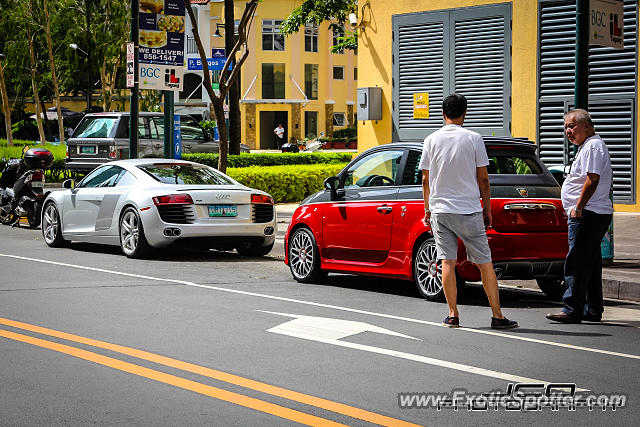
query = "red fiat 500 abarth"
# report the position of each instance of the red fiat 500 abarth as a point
(369, 221)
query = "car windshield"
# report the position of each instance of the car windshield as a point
(95, 127)
(184, 173)
(513, 165)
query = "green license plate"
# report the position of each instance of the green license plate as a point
(87, 149)
(223, 210)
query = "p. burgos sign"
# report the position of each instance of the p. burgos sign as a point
(161, 44)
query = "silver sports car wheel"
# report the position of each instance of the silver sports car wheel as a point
(427, 271)
(304, 258)
(132, 240)
(51, 227)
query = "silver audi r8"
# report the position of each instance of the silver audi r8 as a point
(152, 203)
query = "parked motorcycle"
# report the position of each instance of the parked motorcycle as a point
(22, 186)
(311, 146)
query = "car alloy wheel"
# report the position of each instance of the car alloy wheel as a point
(427, 271)
(132, 240)
(304, 257)
(51, 227)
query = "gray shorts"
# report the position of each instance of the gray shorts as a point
(447, 227)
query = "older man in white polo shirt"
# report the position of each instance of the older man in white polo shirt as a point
(585, 198)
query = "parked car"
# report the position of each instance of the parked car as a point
(104, 137)
(141, 204)
(369, 220)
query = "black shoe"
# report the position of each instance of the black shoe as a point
(592, 318)
(562, 317)
(503, 323)
(451, 322)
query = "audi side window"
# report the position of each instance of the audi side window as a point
(125, 178)
(103, 177)
(376, 170)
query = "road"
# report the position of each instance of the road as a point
(88, 336)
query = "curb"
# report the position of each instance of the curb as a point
(620, 289)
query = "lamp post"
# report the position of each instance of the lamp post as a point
(86, 54)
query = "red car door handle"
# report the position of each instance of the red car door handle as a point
(384, 209)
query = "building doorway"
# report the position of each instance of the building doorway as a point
(269, 120)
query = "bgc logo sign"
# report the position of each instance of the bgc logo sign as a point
(607, 22)
(161, 77)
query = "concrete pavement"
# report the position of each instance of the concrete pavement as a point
(621, 280)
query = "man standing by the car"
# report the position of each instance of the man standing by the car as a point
(454, 177)
(585, 198)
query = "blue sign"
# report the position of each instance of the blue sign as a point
(177, 138)
(213, 63)
(218, 53)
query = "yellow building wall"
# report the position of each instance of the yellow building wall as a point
(375, 50)
(294, 57)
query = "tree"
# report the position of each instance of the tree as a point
(54, 77)
(235, 131)
(226, 77)
(34, 83)
(318, 11)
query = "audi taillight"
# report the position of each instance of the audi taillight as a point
(261, 199)
(173, 199)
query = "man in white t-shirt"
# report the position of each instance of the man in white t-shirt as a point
(585, 198)
(279, 132)
(454, 178)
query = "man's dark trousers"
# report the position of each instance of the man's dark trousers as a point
(583, 266)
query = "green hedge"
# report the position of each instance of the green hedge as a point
(57, 172)
(287, 184)
(270, 159)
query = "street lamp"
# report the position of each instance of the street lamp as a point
(89, 88)
(217, 33)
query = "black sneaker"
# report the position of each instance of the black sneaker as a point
(592, 318)
(451, 322)
(503, 323)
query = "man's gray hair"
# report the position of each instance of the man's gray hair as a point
(581, 116)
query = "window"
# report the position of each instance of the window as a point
(190, 130)
(273, 84)
(103, 177)
(177, 173)
(337, 34)
(463, 50)
(377, 169)
(339, 119)
(355, 74)
(513, 165)
(338, 73)
(310, 38)
(311, 81)
(271, 37)
(95, 127)
(311, 124)
(125, 179)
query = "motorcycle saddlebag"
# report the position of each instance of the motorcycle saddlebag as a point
(38, 158)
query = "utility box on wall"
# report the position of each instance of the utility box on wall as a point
(369, 103)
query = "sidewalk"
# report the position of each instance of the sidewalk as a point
(621, 280)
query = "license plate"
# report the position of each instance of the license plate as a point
(223, 210)
(87, 149)
(37, 184)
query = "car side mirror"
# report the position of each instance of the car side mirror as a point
(69, 183)
(332, 184)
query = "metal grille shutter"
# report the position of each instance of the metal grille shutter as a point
(612, 91)
(480, 71)
(421, 69)
(464, 50)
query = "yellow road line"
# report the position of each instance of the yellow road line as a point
(217, 393)
(318, 402)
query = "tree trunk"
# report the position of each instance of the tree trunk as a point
(222, 131)
(34, 85)
(54, 77)
(5, 107)
(234, 90)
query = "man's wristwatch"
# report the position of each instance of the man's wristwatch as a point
(427, 210)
